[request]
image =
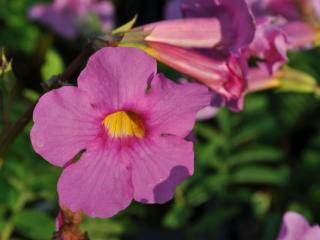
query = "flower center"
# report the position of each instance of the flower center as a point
(124, 124)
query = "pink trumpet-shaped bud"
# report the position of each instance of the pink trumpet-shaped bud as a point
(207, 46)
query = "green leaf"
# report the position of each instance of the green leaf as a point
(2, 218)
(255, 103)
(53, 65)
(34, 224)
(17, 31)
(253, 129)
(255, 154)
(260, 175)
(101, 229)
(6, 190)
(210, 223)
(261, 202)
(177, 216)
(30, 94)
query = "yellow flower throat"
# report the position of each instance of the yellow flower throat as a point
(124, 124)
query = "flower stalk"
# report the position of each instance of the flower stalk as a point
(69, 226)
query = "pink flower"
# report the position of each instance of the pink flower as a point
(295, 227)
(65, 16)
(130, 121)
(208, 46)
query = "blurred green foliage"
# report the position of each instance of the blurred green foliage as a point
(251, 166)
(16, 31)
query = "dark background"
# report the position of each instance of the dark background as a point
(251, 167)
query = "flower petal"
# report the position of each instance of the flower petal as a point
(185, 100)
(312, 234)
(193, 32)
(64, 123)
(260, 79)
(160, 163)
(207, 113)
(99, 184)
(117, 77)
(294, 226)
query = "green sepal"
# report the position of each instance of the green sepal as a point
(126, 27)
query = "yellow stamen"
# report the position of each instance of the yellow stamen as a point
(124, 124)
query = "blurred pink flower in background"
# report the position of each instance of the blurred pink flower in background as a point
(65, 16)
(269, 45)
(300, 35)
(172, 9)
(292, 10)
(296, 18)
(295, 227)
(315, 4)
(130, 121)
(285, 8)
